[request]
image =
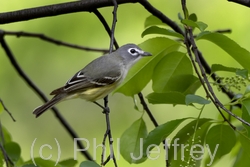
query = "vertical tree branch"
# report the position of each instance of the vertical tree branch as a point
(113, 26)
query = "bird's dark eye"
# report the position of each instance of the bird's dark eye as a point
(132, 51)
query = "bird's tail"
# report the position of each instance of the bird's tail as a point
(41, 109)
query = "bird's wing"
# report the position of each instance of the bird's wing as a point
(87, 79)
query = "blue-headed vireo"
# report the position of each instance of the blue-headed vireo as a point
(98, 78)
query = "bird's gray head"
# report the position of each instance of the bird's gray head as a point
(131, 53)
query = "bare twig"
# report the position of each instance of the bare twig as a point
(107, 110)
(51, 40)
(145, 107)
(106, 26)
(113, 26)
(5, 108)
(42, 96)
(242, 2)
(109, 134)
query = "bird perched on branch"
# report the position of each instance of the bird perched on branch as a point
(96, 80)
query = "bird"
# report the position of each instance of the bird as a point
(97, 79)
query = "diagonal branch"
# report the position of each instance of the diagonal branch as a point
(106, 26)
(5, 108)
(152, 118)
(51, 40)
(42, 96)
(176, 28)
(203, 78)
(151, 9)
(57, 9)
(242, 2)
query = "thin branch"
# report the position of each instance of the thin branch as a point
(5, 155)
(51, 40)
(5, 109)
(107, 110)
(106, 26)
(113, 26)
(241, 2)
(203, 78)
(176, 28)
(57, 9)
(151, 9)
(152, 118)
(108, 133)
(42, 96)
(145, 107)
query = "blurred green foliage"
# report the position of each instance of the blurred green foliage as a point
(48, 66)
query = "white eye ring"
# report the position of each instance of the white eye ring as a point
(133, 51)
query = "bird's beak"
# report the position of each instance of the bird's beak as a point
(146, 54)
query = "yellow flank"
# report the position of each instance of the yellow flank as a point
(93, 94)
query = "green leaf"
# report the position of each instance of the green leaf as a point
(193, 152)
(246, 113)
(195, 99)
(247, 90)
(43, 163)
(152, 20)
(242, 159)
(68, 162)
(156, 136)
(1, 108)
(172, 65)
(166, 98)
(30, 165)
(229, 46)
(191, 84)
(89, 164)
(186, 135)
(200, 25)
(245, 142)
(180, 16)
(132, 142)
(242, 72)
(13, 150)
(2, 161)
(219, 67)
(143, 70)
(192, 17)
(6, 134)
(220, 140)
(161, 31)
